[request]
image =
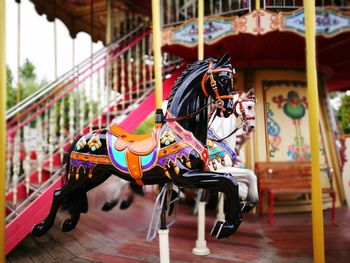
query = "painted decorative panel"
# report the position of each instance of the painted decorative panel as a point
(287, 123)
(329, 23)
(215, 28)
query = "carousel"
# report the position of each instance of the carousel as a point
(243, 160)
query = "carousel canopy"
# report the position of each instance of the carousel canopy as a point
(272, 49)
(88, 15)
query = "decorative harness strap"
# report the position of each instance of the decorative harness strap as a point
(241, 108)
(217, 98)
(244, 116)
(210, 72)
(189, 138)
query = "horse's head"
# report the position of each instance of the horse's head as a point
(244, 107)
(218, 83)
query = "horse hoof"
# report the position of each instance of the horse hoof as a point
(228, 228)
(39, 230)
(67, 225)
(109, 205)
(216, 228)
(247, 207)
(125, 204)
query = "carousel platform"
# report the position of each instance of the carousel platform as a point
(119, 236)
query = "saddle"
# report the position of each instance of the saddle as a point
(138, 144)
(136, 148)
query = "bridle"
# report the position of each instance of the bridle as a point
(218, 100)
(210, 73)
(243, 116)
(239, 102)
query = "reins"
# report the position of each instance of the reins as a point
(188, 116)
(233, 132)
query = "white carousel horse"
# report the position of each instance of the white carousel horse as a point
(223, 154)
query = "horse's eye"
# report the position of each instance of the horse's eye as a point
(249, 107)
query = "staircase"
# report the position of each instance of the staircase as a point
(114, 85)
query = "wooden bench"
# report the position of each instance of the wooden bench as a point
(277, 178)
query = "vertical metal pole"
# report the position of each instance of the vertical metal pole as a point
(157, 52)
(18, 93)
(200, 30)
(109, 68)
(312, 94)
(55, 46)
(109, 22)
(55, 40)
(2, 129)
(257, 5)
(201, 248)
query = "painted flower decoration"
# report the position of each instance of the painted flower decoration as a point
(94, 143)
(81, 143)
(167, 138)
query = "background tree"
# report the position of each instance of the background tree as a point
(28, 82)
(11, 93)
(344, 114)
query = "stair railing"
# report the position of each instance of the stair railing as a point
(41, 127)
(101, 88)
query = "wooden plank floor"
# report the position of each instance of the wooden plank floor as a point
(119, 236)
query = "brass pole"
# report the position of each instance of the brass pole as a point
(109, 22)
(2, 129)
(200, 30)
(257, 5)
(312, 94)
(157, 52)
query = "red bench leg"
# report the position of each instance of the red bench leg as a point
(333, 195)
(272, 201)
(261, 202)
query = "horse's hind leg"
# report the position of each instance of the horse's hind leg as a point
(217, 182)
(41, 228)
(70, 223)
(72, 185)
(58, 196)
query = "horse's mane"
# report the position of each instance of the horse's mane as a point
(189, 69)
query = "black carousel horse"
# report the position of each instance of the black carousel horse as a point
(175, 151)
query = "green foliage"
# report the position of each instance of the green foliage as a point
(27, 86)
(27, 71)
(146, 126)
(344, 114)
(11, 94)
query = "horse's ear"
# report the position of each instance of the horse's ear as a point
(225, 59)
(250, 92)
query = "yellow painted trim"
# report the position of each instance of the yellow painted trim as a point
(312, 94)
(157, 52)
(200, 30)
(2, 128)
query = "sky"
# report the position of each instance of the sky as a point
(37, 42)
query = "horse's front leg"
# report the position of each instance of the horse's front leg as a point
(220, 182)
